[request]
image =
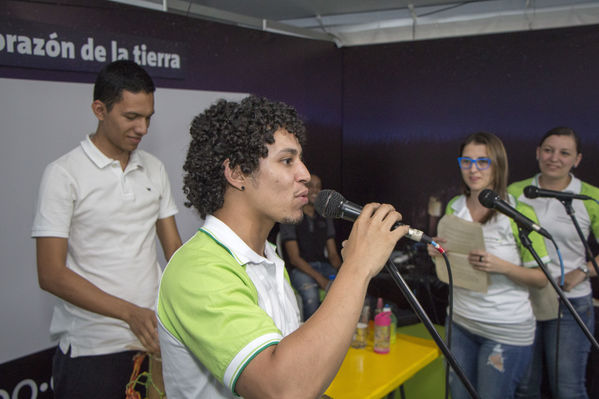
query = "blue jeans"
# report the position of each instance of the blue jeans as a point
(494, 369)
(308, 287)
(574, 348)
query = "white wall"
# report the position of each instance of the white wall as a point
(39, 121)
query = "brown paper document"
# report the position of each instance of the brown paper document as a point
(462, 237)
(545, 304)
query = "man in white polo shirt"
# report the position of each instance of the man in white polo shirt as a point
(228, 319)
(99, 210)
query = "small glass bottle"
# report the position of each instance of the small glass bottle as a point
(393, 326)
(382, 327)
(359, 339)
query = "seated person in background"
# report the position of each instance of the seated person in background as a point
(305, 245)
(228, 320)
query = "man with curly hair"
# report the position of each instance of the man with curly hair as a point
(228, 318)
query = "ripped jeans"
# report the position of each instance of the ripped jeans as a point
(308, 287)
(493, 368)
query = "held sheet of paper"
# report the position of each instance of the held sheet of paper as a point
(462, 237)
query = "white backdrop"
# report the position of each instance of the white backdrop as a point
(39, 121)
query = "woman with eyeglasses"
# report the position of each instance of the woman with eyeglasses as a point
(493, 332)
(558, 154)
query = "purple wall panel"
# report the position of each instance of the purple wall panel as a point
(407, 106)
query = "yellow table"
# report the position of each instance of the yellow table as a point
(365, 374)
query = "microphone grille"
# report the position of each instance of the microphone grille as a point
(488, 198)
(531, 192)
(328, 203)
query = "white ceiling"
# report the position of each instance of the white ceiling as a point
(361, 22)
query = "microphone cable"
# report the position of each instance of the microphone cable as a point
(449, 311)
(449, 317)
(559, 316)
(561, 262)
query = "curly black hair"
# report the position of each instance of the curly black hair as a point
(235, 131)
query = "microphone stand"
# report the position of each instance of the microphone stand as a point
(523, 234)
(570, 210)
(415, 305)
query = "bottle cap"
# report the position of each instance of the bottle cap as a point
(383, 319)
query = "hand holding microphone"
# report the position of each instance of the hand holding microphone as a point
(373, 235)
(331, 204)
(372, 238)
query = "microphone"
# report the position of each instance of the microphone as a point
(535, 192)
(490, 199)
(331, 204)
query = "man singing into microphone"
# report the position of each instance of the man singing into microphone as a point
(228, 318)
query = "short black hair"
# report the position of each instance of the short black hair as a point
(118, 76)
(235, 131)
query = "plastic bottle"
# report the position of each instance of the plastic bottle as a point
(393, 326)
(382, 326)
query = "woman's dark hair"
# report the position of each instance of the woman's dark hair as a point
(563, 131)
(235, 131)
(118, 76)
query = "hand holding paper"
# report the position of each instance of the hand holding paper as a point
(461, 238)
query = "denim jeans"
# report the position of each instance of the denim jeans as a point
(308, 287)
(574, 348)
(92, 377)
(493, 368)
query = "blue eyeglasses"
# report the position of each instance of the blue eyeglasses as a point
(481, 163)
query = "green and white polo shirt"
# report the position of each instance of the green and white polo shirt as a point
(554, 218)
(219, 305)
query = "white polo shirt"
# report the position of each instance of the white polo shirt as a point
(504, 313)
(554, 218)
(109, 218)
(220, 304)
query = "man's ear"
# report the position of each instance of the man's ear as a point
(234, 176)
(99, 109)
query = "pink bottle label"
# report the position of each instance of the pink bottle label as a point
(382, 326)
